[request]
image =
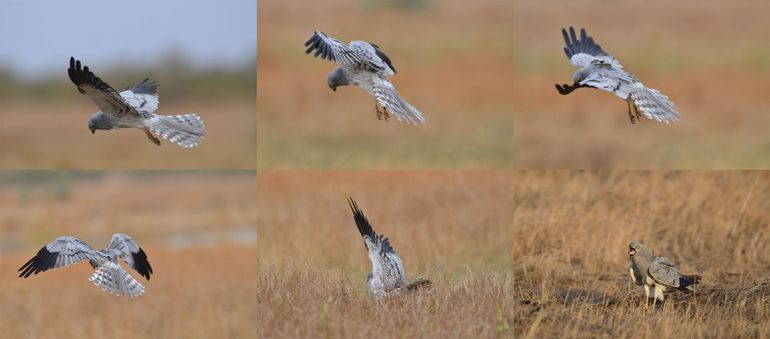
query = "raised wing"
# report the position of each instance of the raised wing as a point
(664, 272)
(334, 50)
(62, 252)
(584, 51)
(366, 229)
(131, 253)
(104, 96)
(143, 97)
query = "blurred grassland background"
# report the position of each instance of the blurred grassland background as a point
(451, 227)
(572, 231)
(712, 58)
(45, 120)
(197, 228)
(454, 64)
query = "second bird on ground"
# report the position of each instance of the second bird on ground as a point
(363, 64)
(656, 274)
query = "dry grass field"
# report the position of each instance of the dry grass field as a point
(710, 57)
(451, 227)
(454, 64)
(197, 228)
(53, 134)
(572, 230)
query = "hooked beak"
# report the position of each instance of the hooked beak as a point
(93, 130)
(334, 88)
(631, 252)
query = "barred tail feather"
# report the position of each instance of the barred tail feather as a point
(419, 283)
(654, 104)
(386, 96)
(184, 130)
(113, 279)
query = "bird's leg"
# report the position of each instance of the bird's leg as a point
(646, 296)
(377, 108)
(385, 112)
(152, 137)
(638, 114)
(630, 116)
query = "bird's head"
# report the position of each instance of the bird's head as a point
(337, 78)
(636, 248)
(99, 121)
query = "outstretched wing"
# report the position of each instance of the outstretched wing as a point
(131, 253)
(354, 56)
(143, 97)
(584, 51)
(104, 96)
(366, 229)
(62, 252)
(664, 272)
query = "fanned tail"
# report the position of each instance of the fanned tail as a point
(113, 279)
(184, 130)
(419, 283)
(654, 104)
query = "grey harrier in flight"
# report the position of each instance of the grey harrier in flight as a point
(109, 276)
(656, 274)
(387, 276)
(600, 70)
(363, 64)
(133, 108)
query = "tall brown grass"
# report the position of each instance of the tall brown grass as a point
(572, 231)
(450, 227)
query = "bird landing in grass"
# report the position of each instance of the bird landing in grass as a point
(387, 277)
(597, 69)
(364, 65)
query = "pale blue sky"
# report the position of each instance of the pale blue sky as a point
(37, 37)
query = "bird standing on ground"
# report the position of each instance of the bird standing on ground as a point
(387, 276)
(133, 108)
(656, 274)
(363, 64)
(600, 70)
(109, 276)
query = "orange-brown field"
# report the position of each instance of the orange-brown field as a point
(451, 227)
(572, 230)
(53, 134)
(197, 228)
(711, 58)
(454, 64)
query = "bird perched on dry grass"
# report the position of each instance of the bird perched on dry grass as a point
(656, 274)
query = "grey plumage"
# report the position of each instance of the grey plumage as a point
(134, 108)
(387, 276)
(364, 65)
(108, 275)
(598, 69)
(656, 274)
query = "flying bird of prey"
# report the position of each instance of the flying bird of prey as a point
(597, 69)
(133, 108)
(656, 274)
(363, 64)
(387, 276)
(109, 276)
